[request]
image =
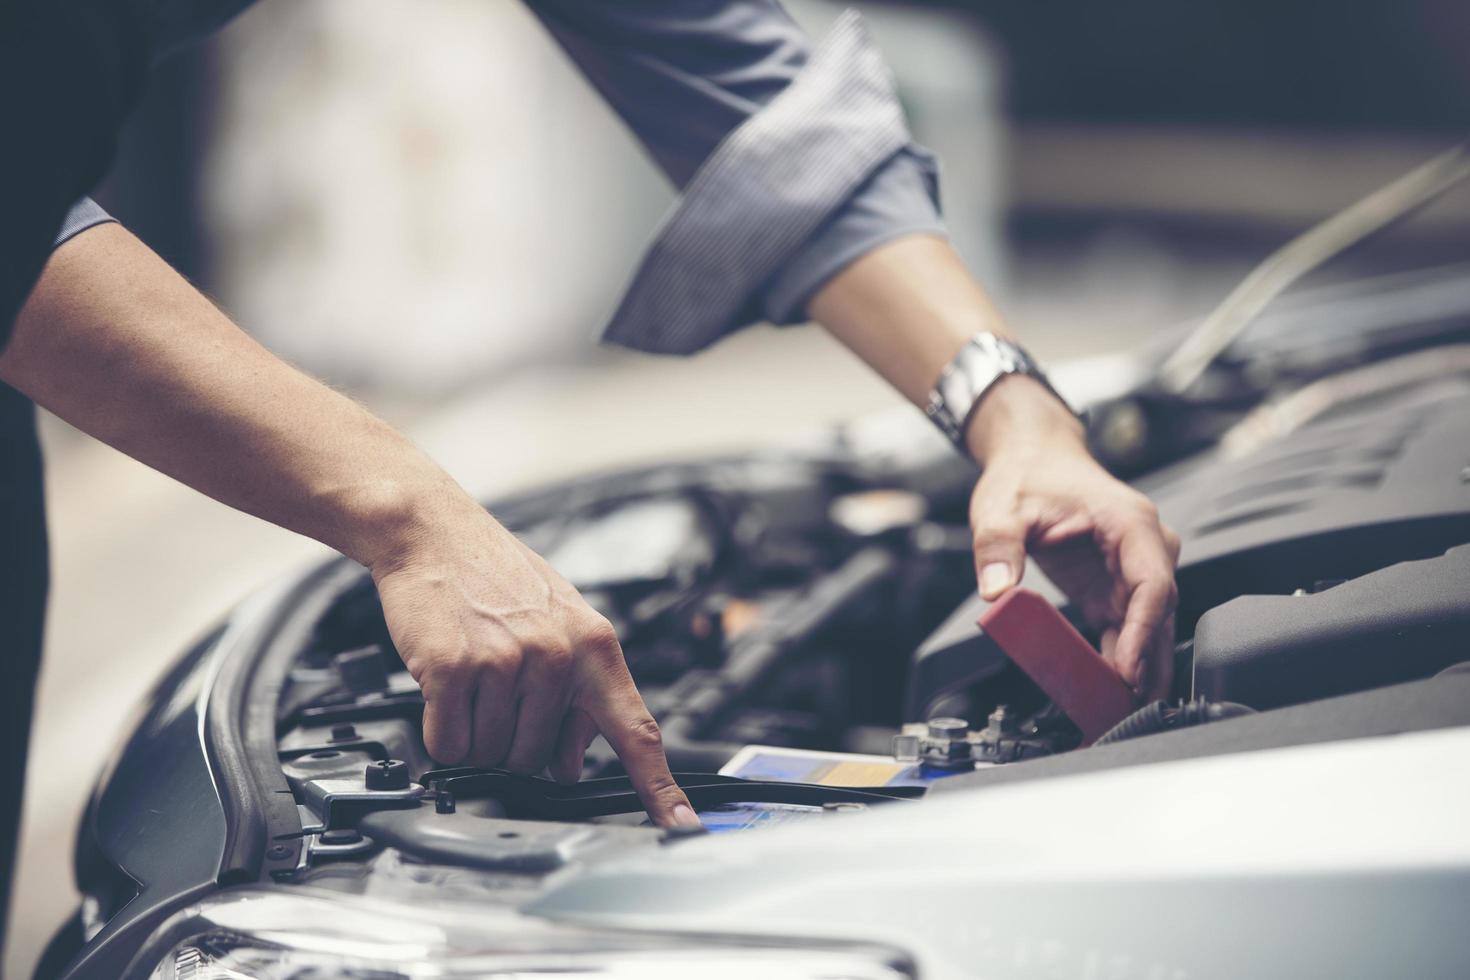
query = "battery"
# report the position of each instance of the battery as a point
(771, 763)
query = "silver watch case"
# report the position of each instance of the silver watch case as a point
(973, 372)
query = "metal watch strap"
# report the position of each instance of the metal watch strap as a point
(973, 372)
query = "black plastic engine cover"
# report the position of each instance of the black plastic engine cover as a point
(1367, 484)
(1404, 622)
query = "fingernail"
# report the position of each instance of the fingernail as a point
(684, 816)
(995, 578)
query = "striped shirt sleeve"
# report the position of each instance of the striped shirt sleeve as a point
(792, 161)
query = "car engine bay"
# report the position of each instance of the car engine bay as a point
(803, 627)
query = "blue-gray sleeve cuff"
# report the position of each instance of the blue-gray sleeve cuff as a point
(901, 198)
(768, 194)
(84, 214)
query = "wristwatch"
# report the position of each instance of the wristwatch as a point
(973, 372)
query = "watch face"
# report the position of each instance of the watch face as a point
(979, 364)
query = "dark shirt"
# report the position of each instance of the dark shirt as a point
(23, 574)
(57, 130)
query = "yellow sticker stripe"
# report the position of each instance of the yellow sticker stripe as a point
(858, 773)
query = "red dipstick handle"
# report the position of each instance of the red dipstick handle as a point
(1034, 634)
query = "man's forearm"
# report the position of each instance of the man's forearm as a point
(119, 345)
(906, 309)
(516, 669)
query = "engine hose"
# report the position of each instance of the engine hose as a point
(1161, 716)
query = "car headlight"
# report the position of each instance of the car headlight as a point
(262, 933)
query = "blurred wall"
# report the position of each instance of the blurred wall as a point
(949, 76)
(1367, 65)
(418, 195)
(411, 193)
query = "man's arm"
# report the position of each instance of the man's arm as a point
(906, 309)
(805, 196)
(793, 160)
(516, 669)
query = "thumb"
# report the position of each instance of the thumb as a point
(1000, 553)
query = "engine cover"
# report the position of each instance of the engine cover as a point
(1407, 621)
(1366, 485)
(1371, 483)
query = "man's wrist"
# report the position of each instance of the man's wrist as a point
(1020, 414)
(384, 524)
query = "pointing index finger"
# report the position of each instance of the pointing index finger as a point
(623, 719)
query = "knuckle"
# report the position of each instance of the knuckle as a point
(445, 672)
(983, 537)
(643, 733)
(1146, 508)
(500, 664)
(555, 658)
(988, 532)
(599, 638)
(661, 784)
(445, 744)
(1153, 590)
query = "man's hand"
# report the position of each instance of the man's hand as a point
(905, 308)
(1098, 540)
(516, 669)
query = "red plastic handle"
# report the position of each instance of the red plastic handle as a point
(1034, 634)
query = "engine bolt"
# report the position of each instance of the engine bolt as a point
(444, 802)
(343, 733)
(948, 728)
(386, 774)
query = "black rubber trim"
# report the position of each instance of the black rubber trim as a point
(534, 798)
(262, 824)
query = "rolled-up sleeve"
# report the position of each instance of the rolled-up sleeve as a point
(85, 214)
(792, 161)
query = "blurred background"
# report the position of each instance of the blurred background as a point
(425, 205)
